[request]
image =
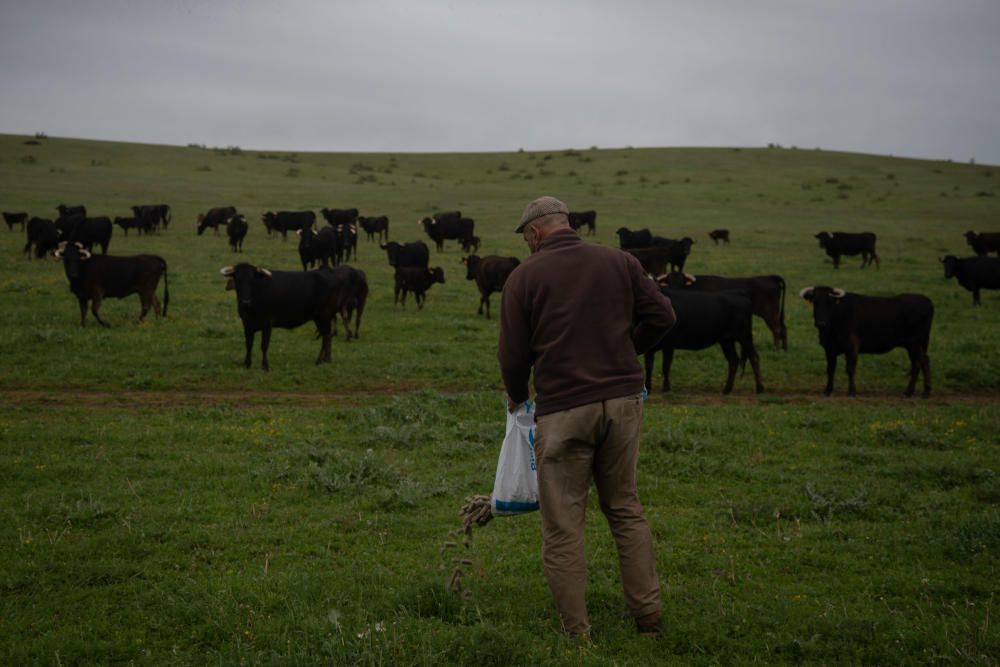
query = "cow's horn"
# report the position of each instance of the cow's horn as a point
(264, 271)
(689, 279)
(62, 245)
(806, 292)
(79, 245)
(227, 271)
(298, 232)
(57, 253)
(84, 253)
(941, 259)
(837, 293)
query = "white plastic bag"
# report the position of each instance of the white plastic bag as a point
(515, 490)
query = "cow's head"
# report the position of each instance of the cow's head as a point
(391, 250)
(471, 265)
(241, 278)
(971, 236)
(950, 262)
(72, 254)
(823, 237)
(201, 223)
(436, 274)
(824, 301)
(426, 221)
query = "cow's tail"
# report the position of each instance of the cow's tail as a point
(166, 287)
(166, 218)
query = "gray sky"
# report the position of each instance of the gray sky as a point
(913, 78)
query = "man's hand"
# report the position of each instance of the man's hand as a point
(511, 405)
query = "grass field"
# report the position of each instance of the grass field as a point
(163, 505)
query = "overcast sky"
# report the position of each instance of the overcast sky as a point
(915, 78)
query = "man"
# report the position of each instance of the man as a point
(579, 314)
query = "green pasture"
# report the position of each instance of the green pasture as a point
(163, 505)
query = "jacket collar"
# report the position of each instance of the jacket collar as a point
(560, 238)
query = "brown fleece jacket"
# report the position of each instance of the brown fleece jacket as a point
(579, 314)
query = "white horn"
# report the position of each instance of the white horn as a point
(227, 271)
(806, 292)
(84, 253)
(837, 293)
(264, 271)
(79, 245)
(689, 279)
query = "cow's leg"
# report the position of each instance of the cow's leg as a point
(975, 297)
(836, 261)
(915, 353)
(420, 296)
(487, 299)
(248, 335)
(95, 305)
(754, 364)
(323, 325)
(144, 304)
(27, 250)
(668, 359)
(729, 349)
(482, 300)
(265, 342)
(83, 311)
(851, 362)
(775, 326)
(157, 306)
(345, 315)
(650, 360)
(831, 367)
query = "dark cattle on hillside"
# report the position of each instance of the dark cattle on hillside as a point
(654, 260)
(416, 280)
(43, 235)
(470, 245)
(340, 216)
(71, 211)
(215, 217)
(719, 235)
(767, 294)
(288, 221)
(704, 320)
(350, 296)
(973, 273)
(92, 278)
(317, 246)
(375, 225)
(347, 241)
(236, 230)
(15, 219)
(853, 324)
(160, 213)
(490, 274)
(126, 224)
(66, 225)
(677, 250)
(283, 299)
(843, 243)
(984, 243)
(579, 219)
(413, 254)
(91, 231)
(448, 226)
(642, 238)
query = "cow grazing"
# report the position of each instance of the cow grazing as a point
(981, 244)
(588, 219)
(416, 280)
(350, 296)
(214, 218)
(471, 246)
(973, 273)
(853, 324)
(490, 274)
(92, 278)
(677, 250)
(704, 320)
(91, 231)
(842, 243)
(15, 219)
(767, 295)
(375, 225)
(448, 226)
(160, 213)
(71, 211)
(318, 246)
(286, 221)
(126, 224)
(236, 230)
(413, 254)
(642, 238)
(43, 235)
(340, 216)
(719, 235)
(283, 299)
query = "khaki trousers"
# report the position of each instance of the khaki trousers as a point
(598, 441)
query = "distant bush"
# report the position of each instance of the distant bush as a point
(28, 159)
(365, 178)
(202, 146)
(32, 142)
(41, 135)
(621, 172)
(571, 153)
(203, 167)
(293, 172)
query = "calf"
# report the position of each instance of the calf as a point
(236, 230)
(375, 226)
(94, 277)
(283, 299)
(471, 245)
(767, 294)
(490, 274)
(414, 254)
(347, 241)
(215, 217)
(642, 238)
(416, 280)
(973, 273)
(981, 244)
(126, 224)
(15, 219)
(719, 235)
(579, 219)
(44, 235)
(842, 243)
(853, 324)
(449, 225)
(704, 320)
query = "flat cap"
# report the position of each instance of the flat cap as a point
(538, 208)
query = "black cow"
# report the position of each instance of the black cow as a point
(973, 273)
(703, 320)
(588, 219)
(414, 254)
(490, 274)
(853, 324)
(286, 221)
(15, 219)
(214, 218)
(981, 244)
(236, 230)
(416, 280)
(843, 243)
(160, 211)
(66, 225)
(375, 225)
(677, 250)
(719, 235)
(340, 216)
(347, 241)
(126, 224)
(43, 235)
(90, 231)
(471, 245)
(655, 260)
(94, 277)
(71, 211)
(642, 238)
(284, 299)
(318, 246)
(450, 225)
(148, 220)
(767, 294)
(350, 296)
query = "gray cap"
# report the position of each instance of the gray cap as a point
(540, 207)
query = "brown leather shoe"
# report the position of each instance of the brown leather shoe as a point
(650, 625)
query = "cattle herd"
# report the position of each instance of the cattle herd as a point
(711, 310)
